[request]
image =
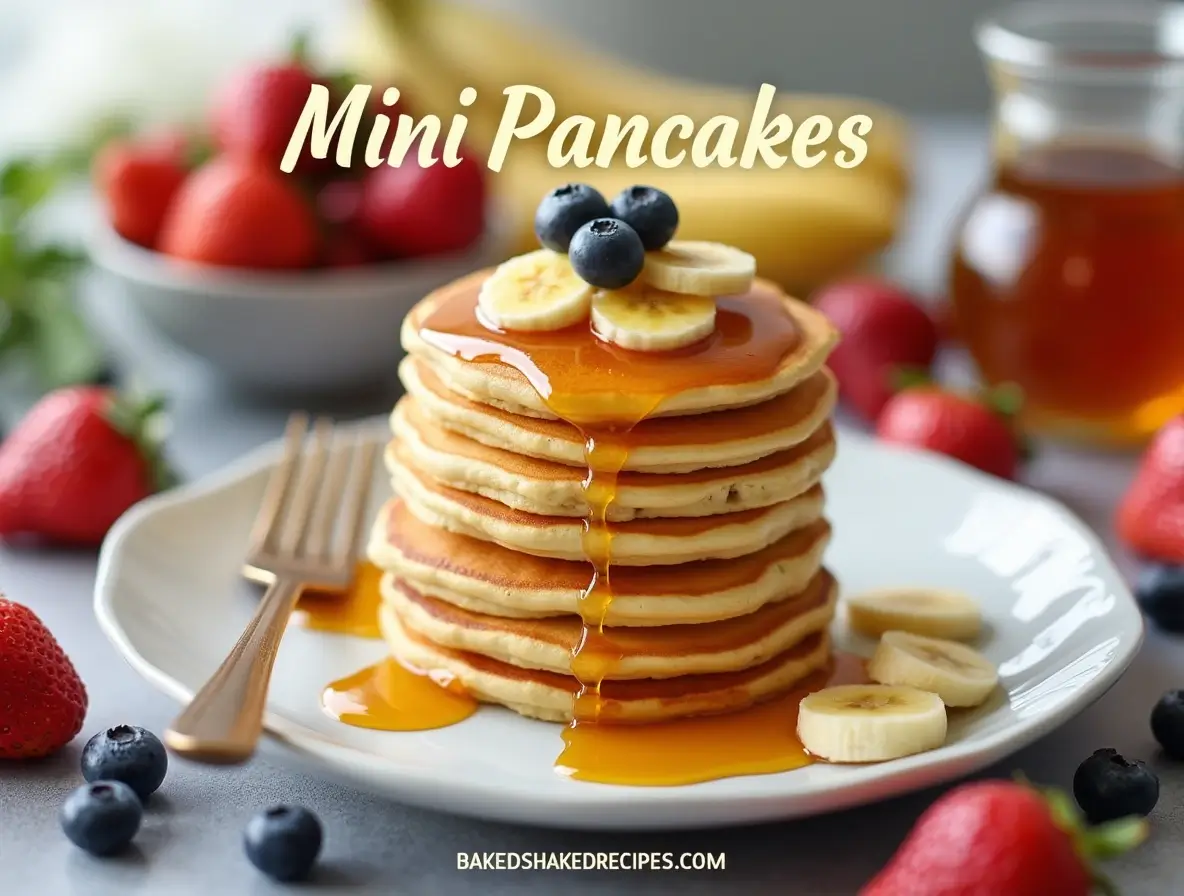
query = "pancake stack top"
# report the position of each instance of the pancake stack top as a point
(577, 518)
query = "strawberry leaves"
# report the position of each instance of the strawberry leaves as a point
(41, 332)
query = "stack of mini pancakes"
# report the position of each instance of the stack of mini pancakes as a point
(720, 598)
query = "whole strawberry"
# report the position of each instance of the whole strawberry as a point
(884, 330)
(257, 109)
(79, 459)
(975, 431)
(42, 698)
(137, 181)
(1000, 838)
(1150, 517)
(240, 214)
(411, 211)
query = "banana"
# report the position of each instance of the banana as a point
(803, 226)
(870, 722)
(935, 612)
(536, 291)
(958, 674)
(699, 269)
(645, 319)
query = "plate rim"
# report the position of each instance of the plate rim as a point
(627, 808)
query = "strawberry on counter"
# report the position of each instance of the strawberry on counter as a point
(975, 431)
(884, 331)
(1150, 517)
(81, 457)
(42, 699)
(1002, 838)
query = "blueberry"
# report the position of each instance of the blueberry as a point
(650, 212)
(607, 253)
(1167, 723)
(1109, 786)
(283, 842)
(128, 754)
(101, 817)
(565, 210)
(1160, 592)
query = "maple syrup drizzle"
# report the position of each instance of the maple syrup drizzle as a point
(353, 613)
(605, 392)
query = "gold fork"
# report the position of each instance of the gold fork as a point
(306, 536)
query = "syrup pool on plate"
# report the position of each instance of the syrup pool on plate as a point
(353, 613)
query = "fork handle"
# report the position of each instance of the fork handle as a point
(224, 720)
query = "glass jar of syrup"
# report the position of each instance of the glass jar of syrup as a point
(1068, 270)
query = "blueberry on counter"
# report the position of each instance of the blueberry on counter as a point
(129, 754)
(1109, 786)
(283, 842)
(607, 253)
(1167, 723)
(1160, 593)
(101, 817)
(650, 212)
(565, 210)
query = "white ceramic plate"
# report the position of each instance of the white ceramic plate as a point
(1063, 629)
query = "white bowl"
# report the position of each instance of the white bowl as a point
(292, 332)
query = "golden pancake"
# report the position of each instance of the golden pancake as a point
(656, 652)
(658, 445)
(640, 542)
(553, 489)
(487, 578)
(551, 696)
(784, 322)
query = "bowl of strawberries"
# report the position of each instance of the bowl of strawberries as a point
(291, 282)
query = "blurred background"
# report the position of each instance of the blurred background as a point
(202, 244)
(73, 50)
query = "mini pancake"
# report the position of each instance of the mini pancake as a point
(658, 445)
(503, 386)
(630, 653)
(635, 543)
(551, 696)
(486, 578)
(552, 489)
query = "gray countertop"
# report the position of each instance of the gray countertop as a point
(191, 840)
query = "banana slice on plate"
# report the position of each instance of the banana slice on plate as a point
(870, 722)
(959, 675)
(536, 291)
(699, 269)
(936, 612)
(645, 319)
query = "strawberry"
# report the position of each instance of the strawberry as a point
(1002, 838)
(883, 329)
(237, 213)
(257, 109)
(138, 181)
(43, 699)
(411, 211)
(79, 458)
(1150, 518)
(975, 431)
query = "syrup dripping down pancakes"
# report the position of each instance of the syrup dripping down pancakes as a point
(588, 533)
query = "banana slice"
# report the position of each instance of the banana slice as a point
(934, 612)
(649, 320)
(536, 291)
(699, 269)
(870, 722)
(958, 674)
